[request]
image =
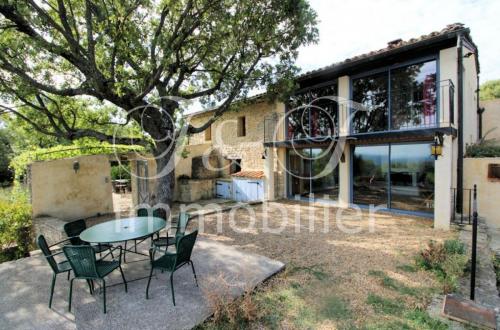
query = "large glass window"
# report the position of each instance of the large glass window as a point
(412, 177)
(370, 178)
(371, 92)
(313, 172)
(411, 90)
(413, 96)
(410, 185)
(311, 114)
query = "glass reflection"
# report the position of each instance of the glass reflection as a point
(413, 96)
(371, 91)
(370, 169)
(318, 120)
(412, 177)
(313, 173)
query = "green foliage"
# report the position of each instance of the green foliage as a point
(449, 262)
(120, 172)
(127, 54)
(15, 221)
(490, 90)
(80, 148)
(6, 174)
(454, 246)
(484, 149)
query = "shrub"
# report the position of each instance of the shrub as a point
(15, 223)
(432, 257)
(448, 260)
(486, 148)
(454, 246)
(120, 172)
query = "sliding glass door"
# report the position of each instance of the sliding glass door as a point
(400, 176)
(370, 179)
(313, 172)
(412, 178)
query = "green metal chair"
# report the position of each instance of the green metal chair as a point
(180, 229)
(173, 261)
(85, 266)
(57, 267)
(75, 228)
(143, 212)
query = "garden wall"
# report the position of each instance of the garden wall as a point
(491, 119)
(476, 172)
(58, 191)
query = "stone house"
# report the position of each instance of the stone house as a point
(413, 95)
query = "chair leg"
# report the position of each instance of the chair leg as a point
(172, 286)
(194, 272)
(149, 281)
(69, 274)
(123, 277)
(104, 294)
(90, 287)
(125, 252)
(111, 252)
(52, 289)
(70, 292)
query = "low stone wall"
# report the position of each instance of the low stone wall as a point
(488, 189)
(193, 190)
(51, 228)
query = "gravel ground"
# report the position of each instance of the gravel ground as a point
(343, 261)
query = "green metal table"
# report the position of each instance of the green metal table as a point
(123, 230)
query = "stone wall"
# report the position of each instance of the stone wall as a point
(58, 191)
(488, 190)
(225, 140)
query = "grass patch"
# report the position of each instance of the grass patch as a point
(335, 308)
(384, 305)
(407, 268)
(393, 284)
(314, 270)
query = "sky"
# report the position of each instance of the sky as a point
(352, 27)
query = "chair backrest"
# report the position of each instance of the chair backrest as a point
(182, 224)
(42, 244)
(157, 213)
(142, 212)
(184, 247)
(74, 229)
(82, 260)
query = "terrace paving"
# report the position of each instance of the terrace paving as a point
(222, 271)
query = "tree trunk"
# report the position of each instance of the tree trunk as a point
(165, 176)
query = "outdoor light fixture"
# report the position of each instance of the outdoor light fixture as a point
(264, 154)
(437, 146)
(76, 166)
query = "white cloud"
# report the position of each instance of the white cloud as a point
(349, 28)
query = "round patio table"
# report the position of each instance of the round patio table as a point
(122, 230)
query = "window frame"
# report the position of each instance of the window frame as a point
(241, 124)
(388, 69)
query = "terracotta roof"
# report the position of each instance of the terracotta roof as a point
(249, 174)
(391, 45)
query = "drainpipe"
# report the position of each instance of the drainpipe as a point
(479, 112)
(460, 108)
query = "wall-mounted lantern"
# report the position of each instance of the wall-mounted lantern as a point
(264, 154)
(76, 166)
(437, 146)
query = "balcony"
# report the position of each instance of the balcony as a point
(399, 116)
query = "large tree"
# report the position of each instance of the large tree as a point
(144, 54)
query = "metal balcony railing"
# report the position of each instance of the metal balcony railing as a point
(433, 109)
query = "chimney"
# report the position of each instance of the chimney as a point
(394, 43)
